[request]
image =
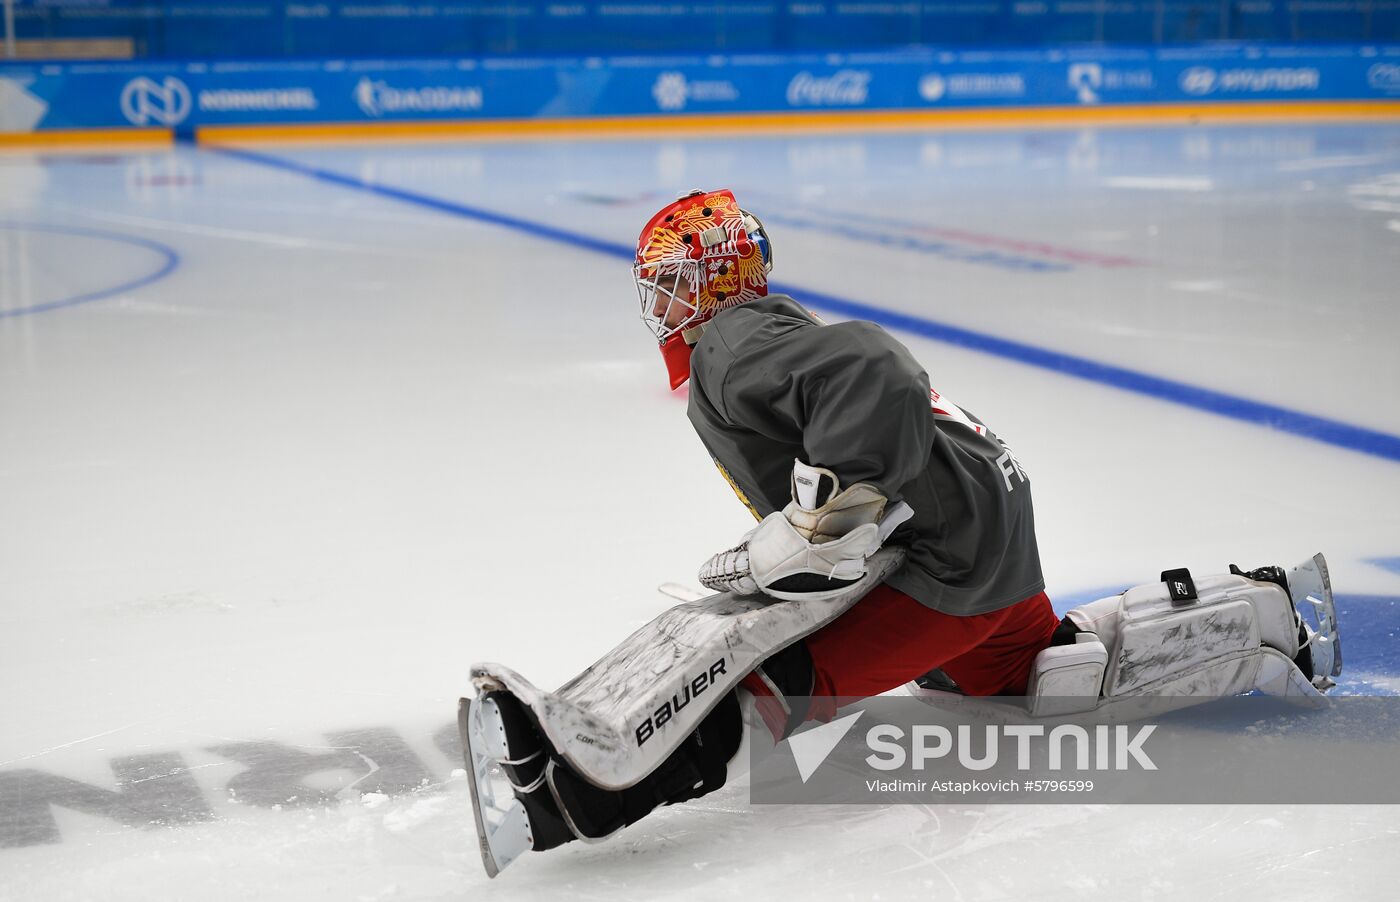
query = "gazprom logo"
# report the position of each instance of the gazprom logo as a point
(148, 102)
(1198, 80)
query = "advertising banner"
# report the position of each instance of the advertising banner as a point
(183, 96)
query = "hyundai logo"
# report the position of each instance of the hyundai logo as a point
(1384, 76)
(1198, 80)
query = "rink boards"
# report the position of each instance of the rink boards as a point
(224, 100)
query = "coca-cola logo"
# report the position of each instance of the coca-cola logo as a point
(847, 87)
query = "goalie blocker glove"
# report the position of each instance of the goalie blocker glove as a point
(814, 547)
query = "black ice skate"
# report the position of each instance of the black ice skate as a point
(936, 681)
(1319, 635)
(506, 760)
(520, 786)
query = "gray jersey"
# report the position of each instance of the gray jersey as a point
(769, 383)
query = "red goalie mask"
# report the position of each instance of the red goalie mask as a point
(696, 257)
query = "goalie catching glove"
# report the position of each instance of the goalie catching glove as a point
(814, 547)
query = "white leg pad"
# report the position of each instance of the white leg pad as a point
(1236, 636)
(1280, 677)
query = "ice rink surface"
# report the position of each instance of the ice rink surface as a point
(290, 438)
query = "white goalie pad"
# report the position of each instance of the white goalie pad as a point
(1235, 635)
(620, 719)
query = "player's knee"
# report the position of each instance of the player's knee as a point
(782, 688)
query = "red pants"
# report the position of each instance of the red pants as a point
(889, 639)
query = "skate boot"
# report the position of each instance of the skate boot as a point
(507, 759)
(935, 683)
(537, 802)
(699, 766)
(1319, 637)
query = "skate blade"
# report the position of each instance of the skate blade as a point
(1310, 582)
(502, 826)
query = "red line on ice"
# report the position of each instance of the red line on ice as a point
(1031, 247)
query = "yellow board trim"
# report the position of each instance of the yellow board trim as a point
(88, 138)
(708, 124)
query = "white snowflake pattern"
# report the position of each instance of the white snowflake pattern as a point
(670, 90)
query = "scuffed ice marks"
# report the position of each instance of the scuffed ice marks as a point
(194, 786)
(375, 845)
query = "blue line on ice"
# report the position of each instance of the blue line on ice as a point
(170, 257)
(1386, 563)
(1321, 429)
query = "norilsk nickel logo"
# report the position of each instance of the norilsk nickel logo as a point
(148, 102)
